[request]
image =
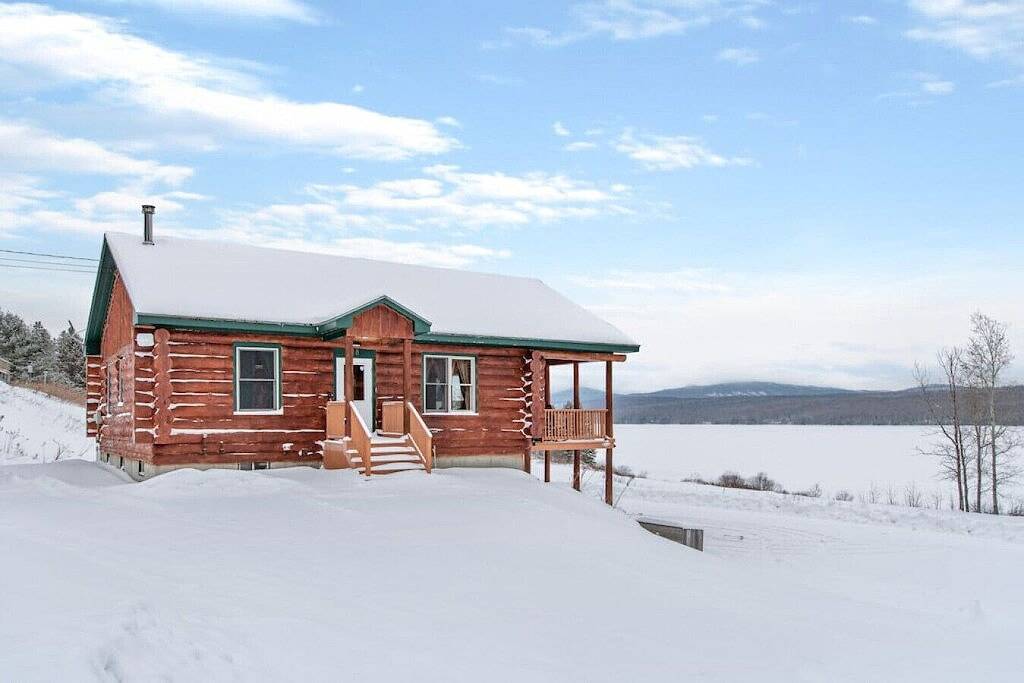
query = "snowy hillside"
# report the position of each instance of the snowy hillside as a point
(474, 575)
(35, 427)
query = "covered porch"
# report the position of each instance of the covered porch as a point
(574, 429)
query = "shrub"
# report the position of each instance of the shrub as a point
(844, 496)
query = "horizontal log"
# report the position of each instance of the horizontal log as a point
(233, 448)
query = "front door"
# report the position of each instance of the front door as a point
(362, 386)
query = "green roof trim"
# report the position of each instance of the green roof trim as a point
(551, 344)
(102, 290)
(217, 325)
(335, 327)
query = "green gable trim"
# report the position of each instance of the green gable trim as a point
(552, 344)
(102, 290)
(216, 325)
(335, 327)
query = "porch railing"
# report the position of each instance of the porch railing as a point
(359, 437)
(422, 437)
(570, 424)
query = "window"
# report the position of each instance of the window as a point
(142, 468)
(449, 384)
(257, 379)
(261, 465)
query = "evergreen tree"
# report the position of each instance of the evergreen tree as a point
(39, 357)
(70, 358)
(14, 335)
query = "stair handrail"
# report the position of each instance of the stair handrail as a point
(422, 437)
(360, 437)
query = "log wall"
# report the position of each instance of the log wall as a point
(182, 408)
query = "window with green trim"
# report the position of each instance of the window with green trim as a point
(257, 379)
(449, 384)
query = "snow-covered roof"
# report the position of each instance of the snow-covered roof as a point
(203, 279)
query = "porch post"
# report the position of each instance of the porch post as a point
(349, 384)
(406, 382)
(576, 405)
(547, 466)
(609, 428)
(527, 455)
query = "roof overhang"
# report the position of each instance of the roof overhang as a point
(328, 329)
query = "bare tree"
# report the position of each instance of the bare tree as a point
(988, 356)
(945, 408)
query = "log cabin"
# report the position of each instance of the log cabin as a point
(204, 354)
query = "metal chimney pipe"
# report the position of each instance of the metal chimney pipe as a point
(147, 223)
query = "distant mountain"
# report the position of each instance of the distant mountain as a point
(772, 403)
(747, 389)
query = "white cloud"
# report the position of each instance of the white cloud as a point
(580, 146)
(740, 56)
(358, 88)
(446, 196)
(449, 121)
(786, 326)
(688, 280)
(860, 19)
(938, 87)
(984, 29)
(1016, 82)
(672, 152)
(29, 148)
(627, 20)
(560, 129)
(289, 10)
(62, 47)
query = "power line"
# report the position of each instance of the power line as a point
(34, 253)
(46, 263)
(65, 270)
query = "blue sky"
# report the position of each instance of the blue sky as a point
(794, 191)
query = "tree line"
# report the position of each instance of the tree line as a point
(975, 448)
(37, 356)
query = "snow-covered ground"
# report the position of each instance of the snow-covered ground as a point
(35, 427)
(487, 575)
(851, 458)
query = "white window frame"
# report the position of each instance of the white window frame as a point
(278, 402)
(472, 410)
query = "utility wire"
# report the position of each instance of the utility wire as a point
(34, 253)
(37, 262)
(65, 270)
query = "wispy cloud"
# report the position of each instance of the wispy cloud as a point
(560, 130)
(62, 48)
(983, 29)
(690, 280)
(925, 86)
(740, 56)
(580, 146)
(26, 147)
(860, 19)
(672, 152)
(289, 10)
(446, 196)
(627, 20)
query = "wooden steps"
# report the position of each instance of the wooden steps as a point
(389, 455)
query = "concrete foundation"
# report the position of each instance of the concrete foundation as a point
(511, 461)
(131, 466)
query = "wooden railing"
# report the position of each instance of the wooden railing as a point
(392, 417)
(422, 437)
(574, 425)
(360, 437)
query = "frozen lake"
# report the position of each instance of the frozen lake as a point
(796, 456)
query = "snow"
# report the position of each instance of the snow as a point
(851, 458)
(175, 277)
(35, 427)
(465, 574)
(469, 575)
